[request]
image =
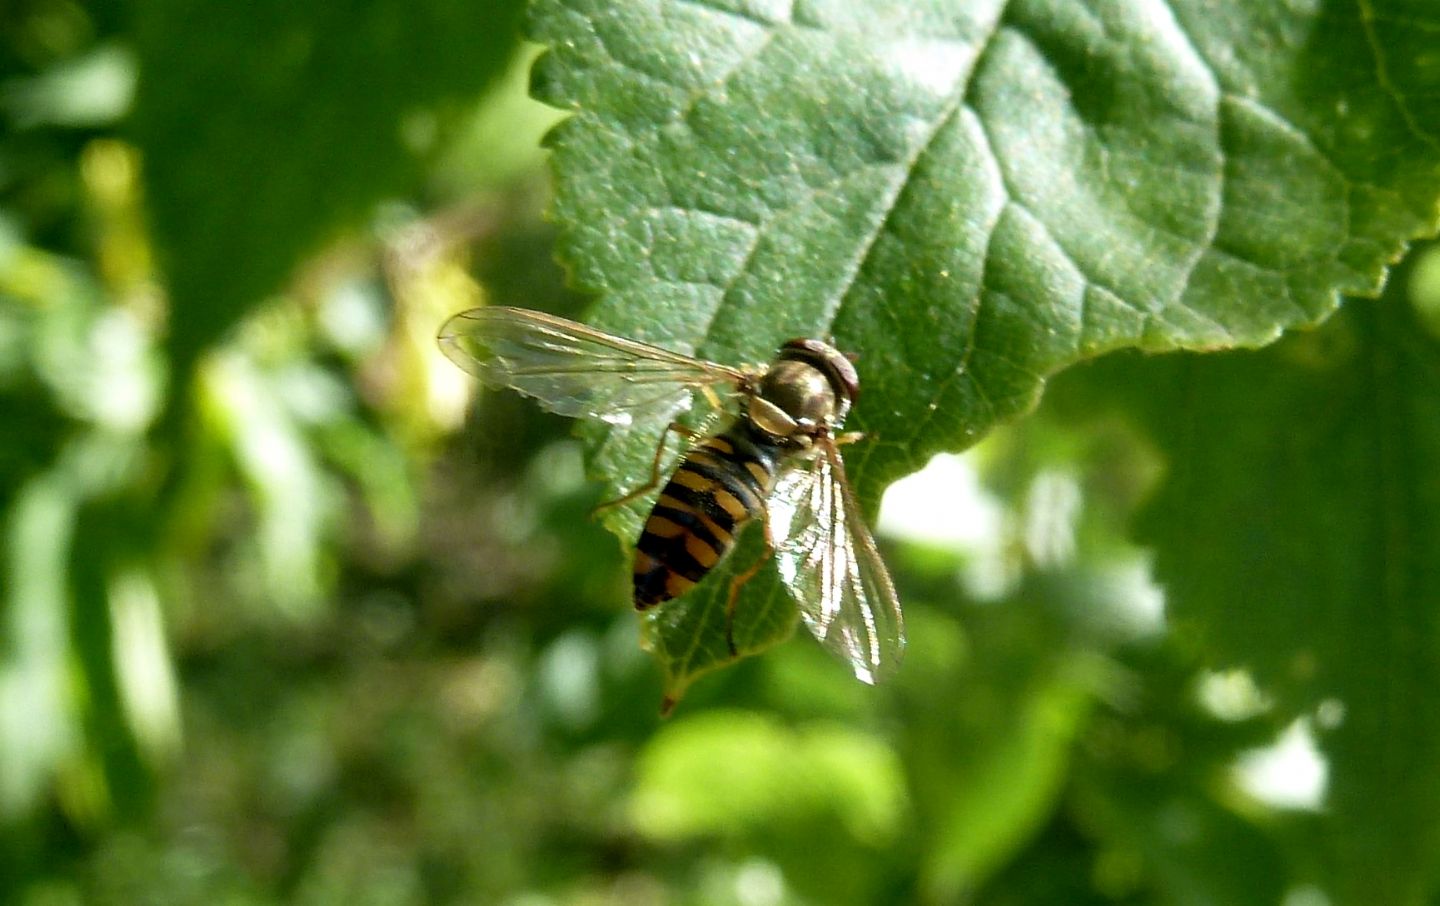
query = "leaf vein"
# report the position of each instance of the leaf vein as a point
(741, 15)
(1382, 76)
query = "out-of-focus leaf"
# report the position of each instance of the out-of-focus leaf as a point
(267, 127)
(105, 533)
(993, 787)
(1182, 843)
(37, 697)
(972, 195)
(61, 716)
(1425, 288)
(990, 760)
(721, 773)
(242, 407)
(500, 142)
(93, 90)
(818, 799)
(85, 382)
(1152, 786)
(140, 651)
(382, 474)
(1296, 535)
(1058, 868)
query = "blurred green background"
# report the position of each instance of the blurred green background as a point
(287, 615)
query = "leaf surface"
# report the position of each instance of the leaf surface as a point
(972, 196)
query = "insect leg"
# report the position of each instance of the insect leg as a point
(738, 582)
(711, 397)
(654, 481)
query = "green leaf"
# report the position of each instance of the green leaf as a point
(1296, 536)
(1197, 852)
(823, 801)
(995, 761)
(37, 713)
(269, 127)
(973, 195)
(106, 534)
(1153, 788)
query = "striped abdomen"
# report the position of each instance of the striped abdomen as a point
(720, 485)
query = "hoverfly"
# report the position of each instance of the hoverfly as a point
(778, 460)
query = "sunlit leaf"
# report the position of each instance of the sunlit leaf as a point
(815, 797)
(36, 694)
(972, 195)
(293, 497)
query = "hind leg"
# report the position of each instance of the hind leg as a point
(654, 481)
(739, 582)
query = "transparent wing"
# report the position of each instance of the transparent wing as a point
(576, 370)
(828, 561)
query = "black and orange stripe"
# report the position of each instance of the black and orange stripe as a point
(720, 485)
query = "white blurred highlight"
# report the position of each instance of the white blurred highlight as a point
(143, 663)
(942, 504)
(1290, 773)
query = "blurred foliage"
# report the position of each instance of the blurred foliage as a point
(287, 616)
(1318, 569)
(327, 109)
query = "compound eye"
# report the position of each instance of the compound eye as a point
(838, 367)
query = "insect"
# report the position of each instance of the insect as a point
(778, 460)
